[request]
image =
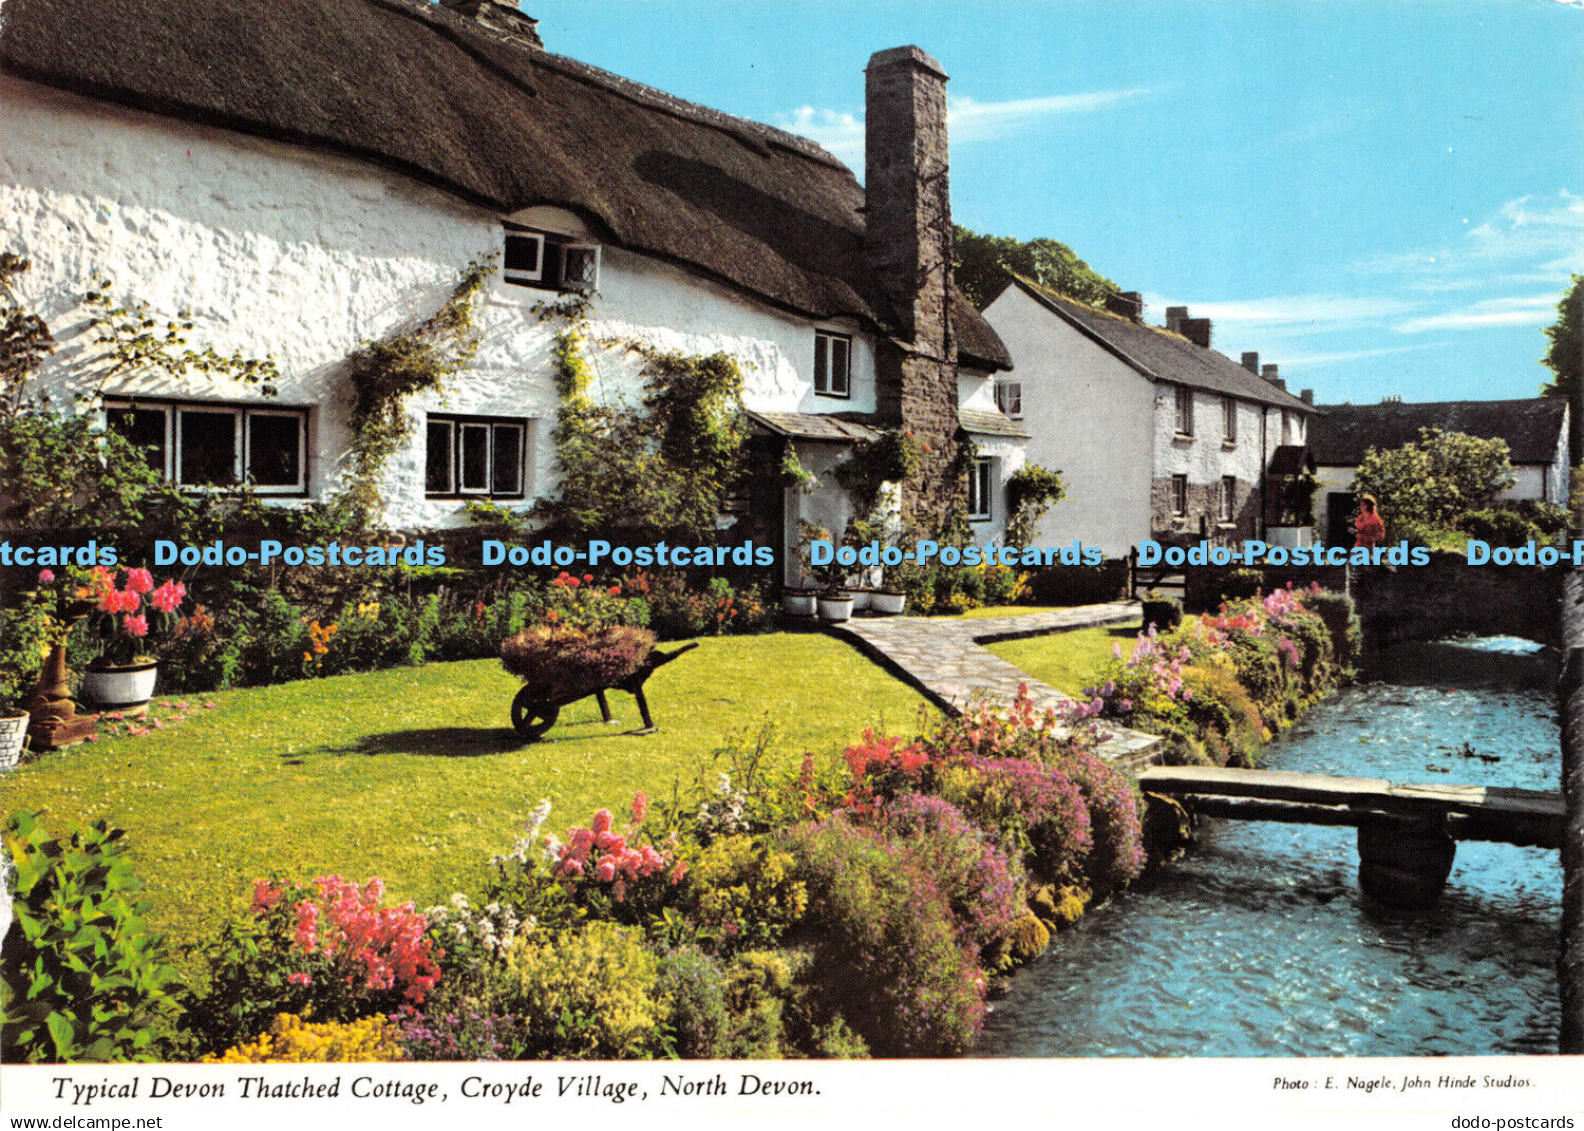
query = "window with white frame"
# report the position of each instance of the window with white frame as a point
(1226, 505)
(832, 364)
(1179, 496)
(549, 261)
(474, 456)
(1184, 421)
(980, 477)
(218, 445)
(1228, 420)
(1009, 398)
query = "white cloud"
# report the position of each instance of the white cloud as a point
(967, 120)
(1296, 311)
(1529, 310)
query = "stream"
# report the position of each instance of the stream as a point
(1258, 941)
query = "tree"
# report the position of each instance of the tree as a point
(1566, 360)
(1429, 484)
(984, 262)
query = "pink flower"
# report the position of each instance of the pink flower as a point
(209, 706)
(606, 872)
(299, 979)
(601, 822)
(168, 597)
(140, 581)
(135, 626)
(46, 576)
(640, 807)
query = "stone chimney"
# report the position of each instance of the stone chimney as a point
(499, 17)
(1128, 304)
(908, 250)
(1175, 317)
(1307, 396)
(1251, 361)
(1197, 331)
(1269, 372)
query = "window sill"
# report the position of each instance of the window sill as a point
(1228, 445)
(1182, 437)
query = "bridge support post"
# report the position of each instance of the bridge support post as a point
(1404, 863)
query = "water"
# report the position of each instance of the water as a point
(1258, 943)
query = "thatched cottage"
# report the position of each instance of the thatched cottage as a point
(305, 175)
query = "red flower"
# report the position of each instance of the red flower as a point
(135, 626)
(139, 581)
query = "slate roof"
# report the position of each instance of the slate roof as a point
(1291, 459)
(1534, 428)
(1160, 354)
(990, 424)
(415, 88)
(814, 426)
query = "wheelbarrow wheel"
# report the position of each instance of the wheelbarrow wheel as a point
(531, 715)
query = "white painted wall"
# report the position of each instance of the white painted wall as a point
(1090, 417)
(277, 251)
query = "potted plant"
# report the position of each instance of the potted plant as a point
(125, 673)
(888, 600)
(799, 602)
(835, 604)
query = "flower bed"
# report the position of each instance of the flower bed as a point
(562, 663)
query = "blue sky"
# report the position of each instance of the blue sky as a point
(1384, 196)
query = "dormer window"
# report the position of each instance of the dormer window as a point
(1009, 398)
(549, 261)
(832, 364)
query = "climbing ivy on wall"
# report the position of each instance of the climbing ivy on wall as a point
(386, 372)
(663, 466)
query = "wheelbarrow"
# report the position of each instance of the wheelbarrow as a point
(535, 708)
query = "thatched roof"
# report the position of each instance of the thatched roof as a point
(1160, 354)
(418, 89)
(1534, 428)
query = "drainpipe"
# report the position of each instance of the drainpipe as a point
(1260, 526)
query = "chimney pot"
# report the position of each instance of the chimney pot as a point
(1197, 331)
(1307, 396)
(1269, 372)
(1128, 304)
(1251, 361)
(1175, 317)
(504, 18)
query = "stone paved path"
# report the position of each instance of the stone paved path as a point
(944, 660)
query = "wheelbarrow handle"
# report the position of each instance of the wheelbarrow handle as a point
(658, 658)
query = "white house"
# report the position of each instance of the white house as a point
(1535, 431)
(306, 175)
(1157, 434)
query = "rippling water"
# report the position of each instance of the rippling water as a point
(1259, 942)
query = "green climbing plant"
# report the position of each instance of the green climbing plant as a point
(385, 373)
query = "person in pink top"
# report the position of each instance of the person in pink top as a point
(1368, 529)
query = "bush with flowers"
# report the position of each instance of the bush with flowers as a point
(1226, 681)
(330, 949)
(291, 1039)
(128, 609)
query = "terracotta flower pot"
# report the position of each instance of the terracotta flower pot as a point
(118, 688)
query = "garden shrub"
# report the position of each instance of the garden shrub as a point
(1241, 584)
(1341, 620)
(757, 986)
(84, 979)
(1117, 857)
(742, 893)
(291, 1039)
(330, 949)
(459, 1027)
(692, 986)
(886, 958)
(982, 887)
(1037, 811)
(586, 994)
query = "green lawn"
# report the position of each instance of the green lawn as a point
(415, 775)
(1068, 661)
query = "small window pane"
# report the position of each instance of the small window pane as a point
(524, 256)
(475, 458)
(506, 478)
(144, 428)
(208, 448)
(821, 363)
(1009, 398)
(841, 365)
(580, 268)
(1179, 494)
(439, 458)
(979, 490)
(274, 450)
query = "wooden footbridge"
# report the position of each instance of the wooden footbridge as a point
(1407, 835)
